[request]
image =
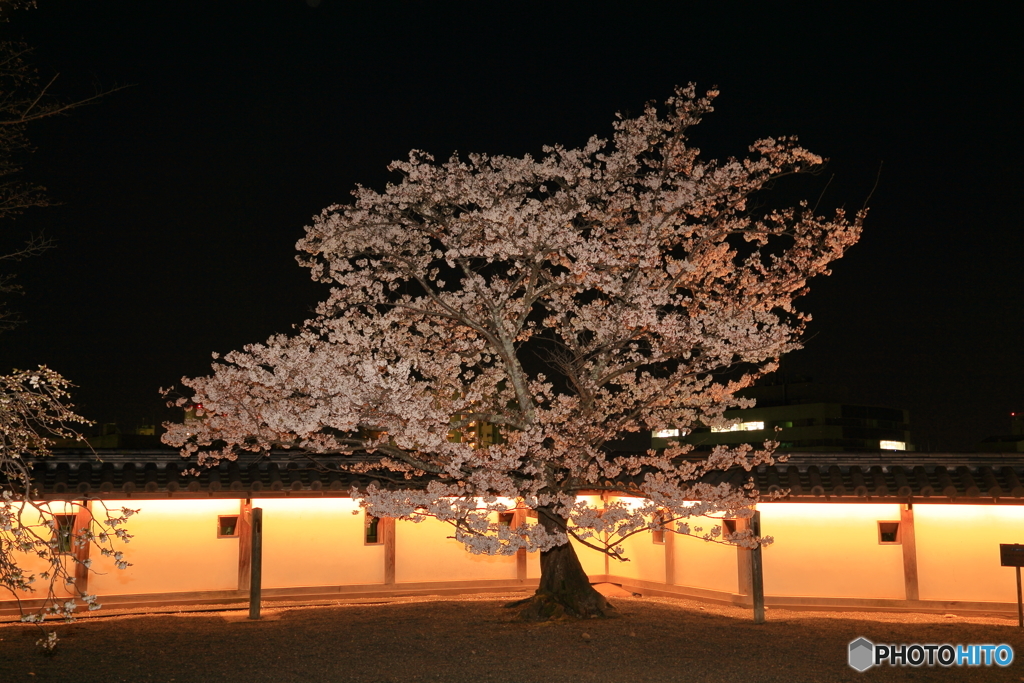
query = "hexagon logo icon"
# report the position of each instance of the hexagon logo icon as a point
(862, 654)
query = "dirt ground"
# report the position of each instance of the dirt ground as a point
(476, 640)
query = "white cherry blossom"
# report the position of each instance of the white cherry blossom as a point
(33, 412)
(566, 300)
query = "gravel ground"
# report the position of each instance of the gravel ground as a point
(476, 640)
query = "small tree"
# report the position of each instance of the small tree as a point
(40, 545)
(566, 301)
(24, 99)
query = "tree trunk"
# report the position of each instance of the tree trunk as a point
(565, 589)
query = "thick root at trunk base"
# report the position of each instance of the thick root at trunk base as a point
(545, 606)
(564, 591)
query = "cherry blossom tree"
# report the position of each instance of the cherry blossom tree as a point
(562, 302)
(40, 546)
(41, 543)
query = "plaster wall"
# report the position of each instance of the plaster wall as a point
(31, 563)
(423, 552)
(317, 542)
(958, 551)
(533, 565)
(175, 548)
(591, 560)
(820, 550)
(830, 550)
(700, 564)
(646, 559)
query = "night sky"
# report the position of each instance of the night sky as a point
(183, 196)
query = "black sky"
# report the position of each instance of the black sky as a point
(184, 195)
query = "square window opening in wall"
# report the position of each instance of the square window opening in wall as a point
(889, 533)
(227, 526)
(729, 526)
(64, 533)
(372, 531)
(506, 518)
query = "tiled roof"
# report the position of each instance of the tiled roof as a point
(803, 477)
(147, 474)
(851, 477)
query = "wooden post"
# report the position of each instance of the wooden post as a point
(83, 520)
(756, 573)
(909, 543)
(518, 520)
(605, 497)
(744, 580)
(1020, 602)
(244, 530)
(670, 554)
(386, 528)
(1012, 555)
(255, 582)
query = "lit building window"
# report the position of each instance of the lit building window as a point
(892, 445)
(740, 427)
(666, 433)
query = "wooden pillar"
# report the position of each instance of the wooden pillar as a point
(1020, 601)
(605, 497)
(244, 530)
(756, 573)
(256, 582)
(518, 520)
(670, 554)
(83, 520)
(744, 580)
(386, 529)
(909, 542)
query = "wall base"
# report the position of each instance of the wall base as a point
(158, 602)
(173, 602)
(962, 608)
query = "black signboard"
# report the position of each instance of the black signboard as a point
(1011, 554)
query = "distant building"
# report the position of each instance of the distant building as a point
(808, 417)
(1005, 443)
(109, 435)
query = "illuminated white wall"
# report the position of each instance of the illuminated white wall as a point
(317, 542)
(700, 564)
(958, 551)
(646, 559)
(30, 563)
(175, 549)
(424, 552)
(830, 550)
(591, 560)
(821, 550)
